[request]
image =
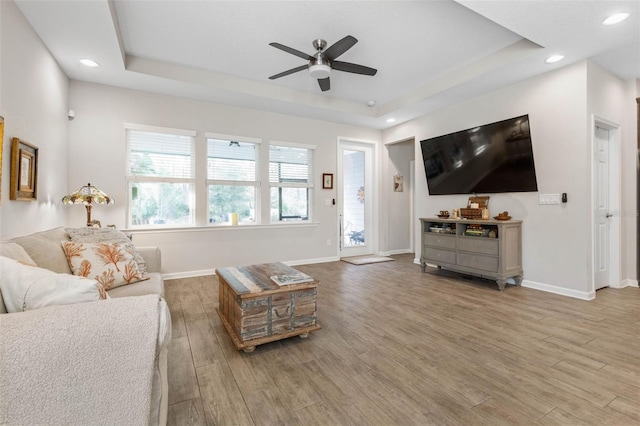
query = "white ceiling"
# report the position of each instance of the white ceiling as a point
(428, 54)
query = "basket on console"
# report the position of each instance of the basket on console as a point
(475, 213)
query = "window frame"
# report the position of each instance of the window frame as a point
(131, 179)
(308, 183)
(256, 184)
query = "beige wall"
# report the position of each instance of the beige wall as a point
(34, 104)
(97, 152)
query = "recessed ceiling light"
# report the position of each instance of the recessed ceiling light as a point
(391, 120)
(553, 59)
(89, 63)
(615, 19)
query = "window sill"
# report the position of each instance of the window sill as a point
(215, 228)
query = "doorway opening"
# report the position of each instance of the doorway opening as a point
(356, 195)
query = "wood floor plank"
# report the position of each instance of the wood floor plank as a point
(270, 407)
(402, 347)
(221, 399)
(183, 384)
(559, 417)
(399, 407)
(291, 379)
(626, 407)
(187, 413)
(204, 344)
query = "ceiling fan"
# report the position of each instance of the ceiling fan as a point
(321, 64)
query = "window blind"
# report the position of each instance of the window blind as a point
(290, 166)
(232, 161)
(164, 155)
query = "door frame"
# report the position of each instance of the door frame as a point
(615, 190)
(372, 195)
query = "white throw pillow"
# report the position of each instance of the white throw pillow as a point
(26, 287)
(111, 264)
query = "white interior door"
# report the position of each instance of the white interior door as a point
(355, 192)
(602, 212)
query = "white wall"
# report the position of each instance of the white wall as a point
(612, 99)
(97, 152)
(554, 237)
(34, 104)
(398, 213)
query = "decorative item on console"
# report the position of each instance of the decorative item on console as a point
(475, 207)
(444, 214)
(502, 216)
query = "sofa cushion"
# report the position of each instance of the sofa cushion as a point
(104, 235)
(111, 264)
(154, 285)
(16, 252)
(26, 287)
(13, 251)
(44, 248)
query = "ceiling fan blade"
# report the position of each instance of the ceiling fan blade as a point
(354, 68)
(324, 84)
(292, 51)
(291, 71)
(339, 47)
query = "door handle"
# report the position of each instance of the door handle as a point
(608, 215)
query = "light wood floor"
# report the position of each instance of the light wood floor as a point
(402, 347)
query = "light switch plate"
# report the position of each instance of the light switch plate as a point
(548, 199)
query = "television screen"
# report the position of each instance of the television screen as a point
(496, 157)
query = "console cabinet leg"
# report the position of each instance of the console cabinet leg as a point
(501, 284)
(518, 280)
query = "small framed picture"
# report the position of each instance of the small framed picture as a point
(24, 171)
(398, 182)
(327, 181)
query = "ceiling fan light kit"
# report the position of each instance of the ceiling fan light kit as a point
(321, 64)
(319, 71)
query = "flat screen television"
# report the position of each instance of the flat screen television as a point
(493, 158)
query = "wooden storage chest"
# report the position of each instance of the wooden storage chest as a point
(255, 310)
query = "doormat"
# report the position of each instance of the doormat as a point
(364, 260)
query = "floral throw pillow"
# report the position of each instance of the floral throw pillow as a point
(111, 264)
(89, 234)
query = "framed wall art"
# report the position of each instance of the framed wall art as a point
(327, 181)
(24, 171)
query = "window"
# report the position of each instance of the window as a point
(291, 180)
(232, 178)
(160, 176)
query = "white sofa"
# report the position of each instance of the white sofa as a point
(96, 362)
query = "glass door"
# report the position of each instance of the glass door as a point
(355, 190)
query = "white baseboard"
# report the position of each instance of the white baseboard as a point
(559, 290)
(192, 274)
(312, 261)
(188, 274)
(392, 252)
(629, 283)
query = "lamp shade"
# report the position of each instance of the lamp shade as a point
(87, 195)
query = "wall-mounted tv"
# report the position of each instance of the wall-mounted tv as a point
(496, 157)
